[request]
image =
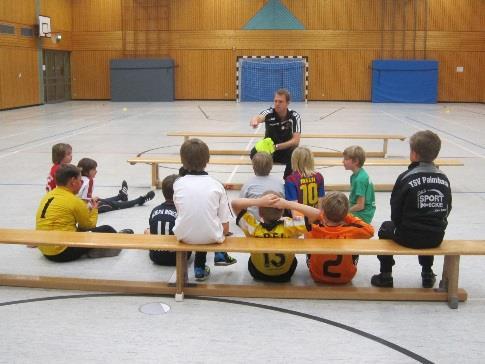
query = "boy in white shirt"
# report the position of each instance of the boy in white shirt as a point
(202, 206)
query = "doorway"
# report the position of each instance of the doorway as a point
(57, 76)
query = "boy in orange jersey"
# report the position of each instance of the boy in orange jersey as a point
(337, 224)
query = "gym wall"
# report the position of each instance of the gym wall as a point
(204, 37)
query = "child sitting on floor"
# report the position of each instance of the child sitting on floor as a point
(120, 201)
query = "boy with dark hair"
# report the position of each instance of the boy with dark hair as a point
(61, 210)
(61, 154)
(272, 267)
(262, 180)
(162, 221)
(420, 205)
(362, 197)
(202, 206)
(337, 223)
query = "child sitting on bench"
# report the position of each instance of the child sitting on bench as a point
(272, 267)
(336, 223)
(202, 207)
(162, 220)
(262, 180)
(420, 205)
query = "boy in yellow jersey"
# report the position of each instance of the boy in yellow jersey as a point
(61, 210)
(272, 267)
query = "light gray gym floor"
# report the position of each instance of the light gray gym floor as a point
(52, 326)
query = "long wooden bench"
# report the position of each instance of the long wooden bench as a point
(448, 290)
(384, 137)
(155, 161)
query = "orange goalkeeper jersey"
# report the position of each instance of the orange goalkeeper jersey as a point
(337, 269)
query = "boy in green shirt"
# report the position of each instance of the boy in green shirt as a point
(362, 198)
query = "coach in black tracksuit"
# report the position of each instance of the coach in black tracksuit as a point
(283, 126)
(420, 205)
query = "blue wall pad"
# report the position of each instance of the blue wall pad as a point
(407, 81)
(274, 15)
(261, 77)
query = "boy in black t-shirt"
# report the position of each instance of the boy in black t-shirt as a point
(162, 220)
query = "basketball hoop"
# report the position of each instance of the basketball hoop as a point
(44, 26)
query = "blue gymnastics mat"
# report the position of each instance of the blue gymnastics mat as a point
(407, 81)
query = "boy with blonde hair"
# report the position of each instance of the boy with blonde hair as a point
(261, 181)
(362, 197)
(202, 206)
(336, 223)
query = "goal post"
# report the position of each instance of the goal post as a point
(258, 77)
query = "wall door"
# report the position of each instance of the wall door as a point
(57, 76)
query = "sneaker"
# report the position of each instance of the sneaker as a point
(123, 193)
(201, 274)
(382, 280)
(221, 258)
(126, 231)
(428, 279)
(103, 253)
(149, 196)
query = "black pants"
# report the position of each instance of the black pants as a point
(414, 240)
(74, 253)
(257, 275)
(282, 156)
(165, 257)
(113, 203)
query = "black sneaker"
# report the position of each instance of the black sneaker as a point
(126, 231)
(382, 280)
(428, 279)
(149, 196)
(123, 193)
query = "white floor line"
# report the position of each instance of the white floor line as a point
(442, 138)
(248, 146)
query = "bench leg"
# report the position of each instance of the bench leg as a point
(155, 177)
(181, 269)
(453, 274)
(384, 147)
(443, 286)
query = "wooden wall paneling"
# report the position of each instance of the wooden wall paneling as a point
(456, 15)
(16, 11)
(455, 86)
(96, 15)
(64, 45)
(340, 75)
(212, 14)
(90, 74)
(100, 41)
(60, 12)
(17, 40)
(482, 75)
(19, 82)
(204, 74)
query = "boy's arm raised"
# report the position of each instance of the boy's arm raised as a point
(240, 204)
(312, 213)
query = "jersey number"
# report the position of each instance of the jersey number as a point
(309, 194)
(44, 210)
(332, 263)
(273, 262)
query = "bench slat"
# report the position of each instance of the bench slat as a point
(331, 154)
(224, 290)
(237, 244)
(304, 135)
(378, 187)
(318, 162)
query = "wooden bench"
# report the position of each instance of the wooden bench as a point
(377, 154)
(155, 161)
(448, 290)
